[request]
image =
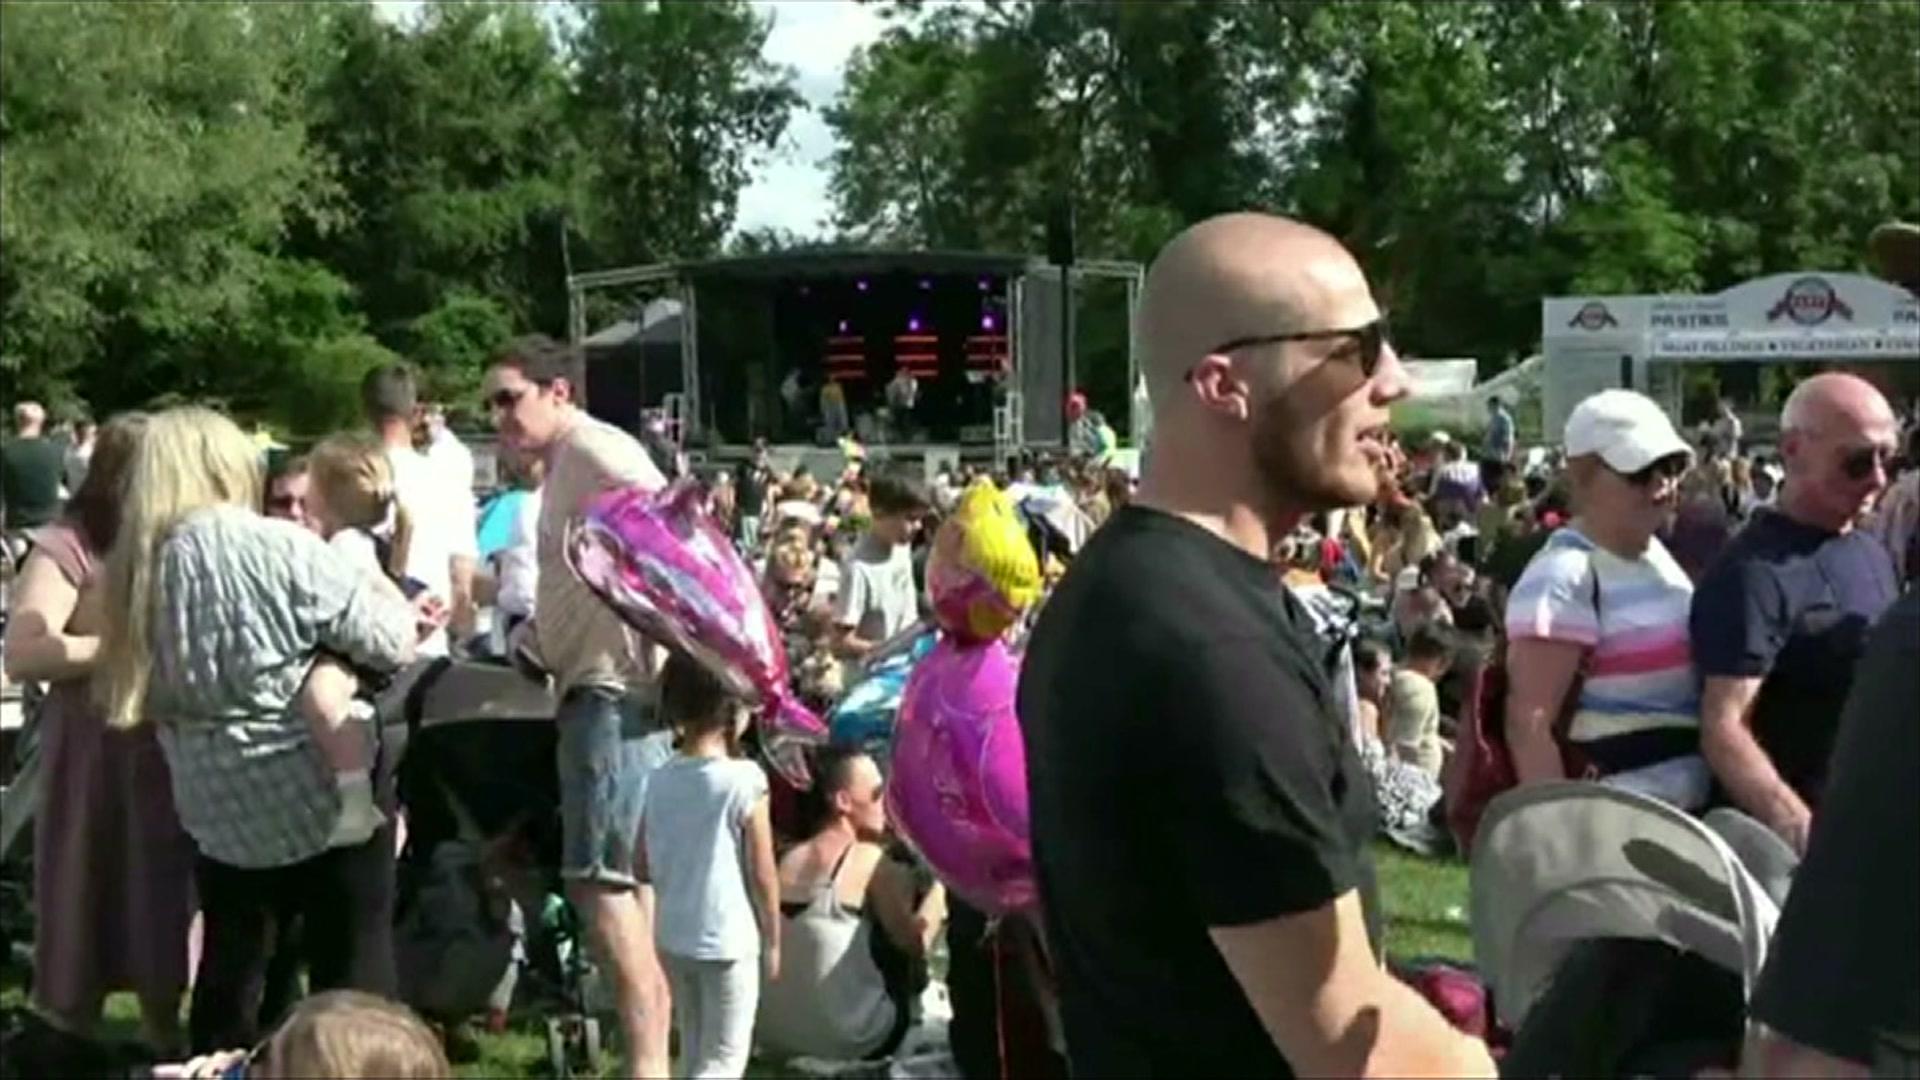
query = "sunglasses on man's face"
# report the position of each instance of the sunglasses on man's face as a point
(504, 400)
(1366, 343)
(1858, 464)
(1667, 468)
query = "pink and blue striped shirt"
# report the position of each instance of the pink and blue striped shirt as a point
(1641, 692)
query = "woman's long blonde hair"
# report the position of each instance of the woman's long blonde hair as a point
(190, 458)
(354, 477)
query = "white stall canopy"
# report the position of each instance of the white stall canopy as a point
(1594, 342)
(1440, 378)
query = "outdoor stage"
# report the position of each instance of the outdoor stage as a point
(733, 350)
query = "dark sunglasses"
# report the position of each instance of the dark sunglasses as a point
(507, 399)
(1858, 464)
(1370, 340)
(1672, 467)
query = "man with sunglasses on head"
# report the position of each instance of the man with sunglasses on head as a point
(1781, 617)
(602, 672)
(1199, 811)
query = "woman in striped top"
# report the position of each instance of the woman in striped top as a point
(1600, 616)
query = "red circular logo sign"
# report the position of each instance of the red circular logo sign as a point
(1810, 301)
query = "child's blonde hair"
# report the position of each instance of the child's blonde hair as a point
(354, 477)
(344, 1034)
(790, 562)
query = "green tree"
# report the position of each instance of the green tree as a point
(451, 141)
(453, 342)
(1475, 156)
(153, 155)
(296, 355)
(674, 103)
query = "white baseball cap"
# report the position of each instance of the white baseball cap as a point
(1628, 430)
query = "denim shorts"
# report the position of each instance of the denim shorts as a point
(608, 746)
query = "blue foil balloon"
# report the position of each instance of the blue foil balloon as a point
(865, 716)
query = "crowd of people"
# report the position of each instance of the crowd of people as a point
(1278, 636)
(1164, 657)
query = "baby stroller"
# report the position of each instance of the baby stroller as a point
(1620, 936)
(475, 744)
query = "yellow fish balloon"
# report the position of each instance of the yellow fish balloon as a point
(981, 574)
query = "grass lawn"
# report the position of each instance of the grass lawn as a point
(1425, 902)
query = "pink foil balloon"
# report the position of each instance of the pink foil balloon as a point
(658, 560)
(957, 788)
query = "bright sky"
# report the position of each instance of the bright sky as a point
(814, 37)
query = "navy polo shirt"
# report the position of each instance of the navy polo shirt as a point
(1791, 604)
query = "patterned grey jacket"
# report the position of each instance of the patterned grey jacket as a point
(242, 605)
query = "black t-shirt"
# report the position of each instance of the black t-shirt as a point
(1188, 768)
(752, 484)
(1474, 616)
(1844, 974)
(30, 475)
(1791, 604)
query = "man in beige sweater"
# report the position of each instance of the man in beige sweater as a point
(602, 672)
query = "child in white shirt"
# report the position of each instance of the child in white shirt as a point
(351, 496)
(707, 848)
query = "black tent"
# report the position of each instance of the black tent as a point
(635, 363)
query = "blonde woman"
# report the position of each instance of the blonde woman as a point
(222, 613)
(112, 869)
(1599, 616)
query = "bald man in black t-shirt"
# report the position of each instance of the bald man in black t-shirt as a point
(1200, 817)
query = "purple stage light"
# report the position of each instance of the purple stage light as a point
(913, 325)
(986, 322)
(861, 284)
(925, 284)
(985, 284)
(843, 326)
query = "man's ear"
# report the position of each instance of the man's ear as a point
(561, 389)
(1213, 380)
